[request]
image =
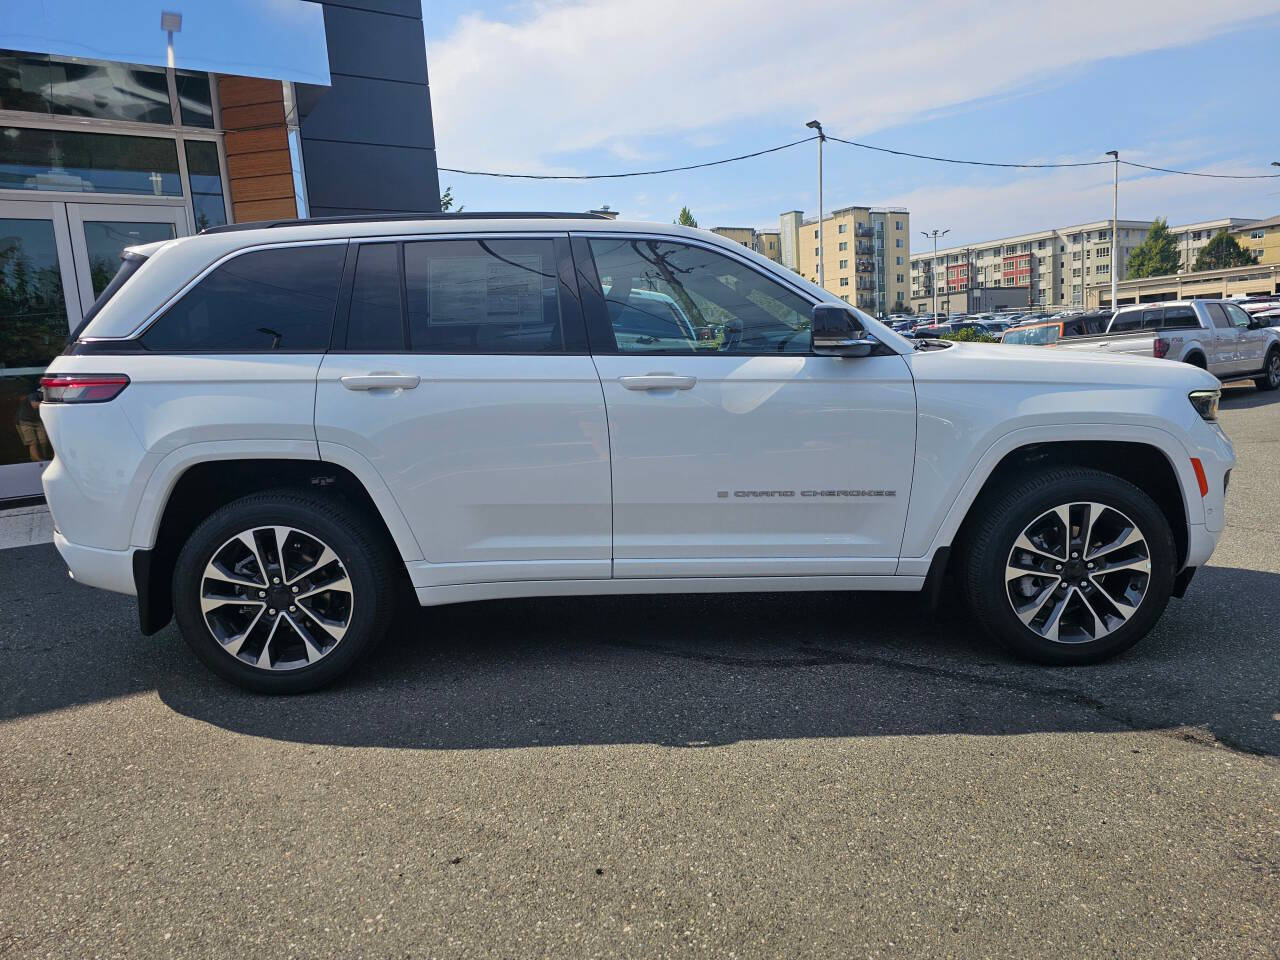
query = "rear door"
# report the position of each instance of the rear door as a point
(746, 454)
(1224, 348)
(460, 373)
(1252, 341)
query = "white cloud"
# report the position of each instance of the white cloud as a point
(576, 76)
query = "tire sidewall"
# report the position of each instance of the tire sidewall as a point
(310, 516)
(1111, 492)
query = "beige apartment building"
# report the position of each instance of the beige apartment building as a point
(1045, 269)
(866, 257)
(1262, 238)
(767, 243)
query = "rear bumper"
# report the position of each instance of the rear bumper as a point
(95, 567)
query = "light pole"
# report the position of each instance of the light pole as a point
(815, 125)
(170, 23)
(1115, 214)
(933, 266)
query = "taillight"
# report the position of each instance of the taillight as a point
(82, 387)
(1160, 347)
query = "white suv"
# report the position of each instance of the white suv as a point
(270, 431)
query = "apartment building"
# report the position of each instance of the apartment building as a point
(866, 258)
(1262, 238)
(1054, 267)
(767, 243)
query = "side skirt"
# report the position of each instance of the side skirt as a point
(508, 589)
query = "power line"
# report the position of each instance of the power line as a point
(863, 146)
(617, 176)
(969, 163)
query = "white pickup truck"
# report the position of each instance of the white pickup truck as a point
(1215, 335)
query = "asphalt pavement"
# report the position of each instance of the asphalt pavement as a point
(777, 775)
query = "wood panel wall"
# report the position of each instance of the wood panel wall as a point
(257, 144)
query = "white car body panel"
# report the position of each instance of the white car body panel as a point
(727, 477)
(535, 475)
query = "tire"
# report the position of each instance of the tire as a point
(341, 601)
(1095, 621)
(1270, 379)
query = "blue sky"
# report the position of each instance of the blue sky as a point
(607, 85)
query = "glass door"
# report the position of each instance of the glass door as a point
(38, 303)
(101, 231)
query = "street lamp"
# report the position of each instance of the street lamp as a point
(815, 125)
(933, 267)
(170, 23)
(1115, 212)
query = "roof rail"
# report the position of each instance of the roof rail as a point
(377, 218)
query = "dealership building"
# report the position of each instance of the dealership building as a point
(127, 135)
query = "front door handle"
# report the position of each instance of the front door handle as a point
(658, 381)
(381, 381)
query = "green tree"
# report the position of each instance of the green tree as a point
(1221, 252)
(446, 201)
(686, 218)
(1156, 256)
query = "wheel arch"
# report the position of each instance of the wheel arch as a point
(1144, 465)
(205, 486)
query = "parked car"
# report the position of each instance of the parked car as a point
(1215, 335)
(1049, 333)
(274, 431)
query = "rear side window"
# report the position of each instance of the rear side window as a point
(487, 296)
(129, 265)
(264, 300)
(1151, 319)
(1128, 320)
(1176, 318)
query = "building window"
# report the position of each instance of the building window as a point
(899, 263)
(844, 264)
(206, 183)
(77, 162)
(897, 224)
(844, 281)
(898, 242)
(900, 278)
(1257, 234)
(842, 228)
(815, 251)
(844, 245)
(815, 234)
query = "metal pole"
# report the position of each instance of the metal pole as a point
(822, 277)
(1115, 219)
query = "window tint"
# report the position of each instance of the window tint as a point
(1218, 315)
(1180, 317)
(1237, 316)
(264, 300)
(483, 296)
(1151, 319)
(376, 322)
(1128, 320)
(672, 298)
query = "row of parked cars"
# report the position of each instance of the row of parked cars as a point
(1233, 339)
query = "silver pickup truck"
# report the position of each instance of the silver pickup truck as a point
(1215, 335)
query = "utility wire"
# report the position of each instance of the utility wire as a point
(863, 146)
(616, 176)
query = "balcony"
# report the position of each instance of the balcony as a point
(864, 249)
(860, 230)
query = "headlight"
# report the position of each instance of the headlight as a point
(1206, 403)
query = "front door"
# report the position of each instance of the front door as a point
(736, 451)
(55, 258)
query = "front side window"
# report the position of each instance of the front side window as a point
(1238, 317)
(260, 301)
(673, 298)
(484, 296)
(1218, 316)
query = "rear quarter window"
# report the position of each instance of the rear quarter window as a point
(260, 301)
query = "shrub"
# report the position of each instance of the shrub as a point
(969, 336)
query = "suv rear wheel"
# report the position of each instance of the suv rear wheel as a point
(282, 592)
(1069, 565)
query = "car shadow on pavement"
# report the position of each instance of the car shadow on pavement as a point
(683, 671)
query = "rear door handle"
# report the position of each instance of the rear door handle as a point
(658, 381)
(381, 381)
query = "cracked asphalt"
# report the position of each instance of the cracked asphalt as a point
(764, 776)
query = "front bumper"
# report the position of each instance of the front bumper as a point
(95, 567)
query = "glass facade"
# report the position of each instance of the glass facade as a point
(94, 157)
(73, 162)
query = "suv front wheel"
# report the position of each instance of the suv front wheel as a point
(282, 592)
(1069, 565)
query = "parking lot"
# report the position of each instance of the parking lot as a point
(825, 775)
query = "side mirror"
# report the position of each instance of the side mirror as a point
(837, 332)
(1255, 323)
